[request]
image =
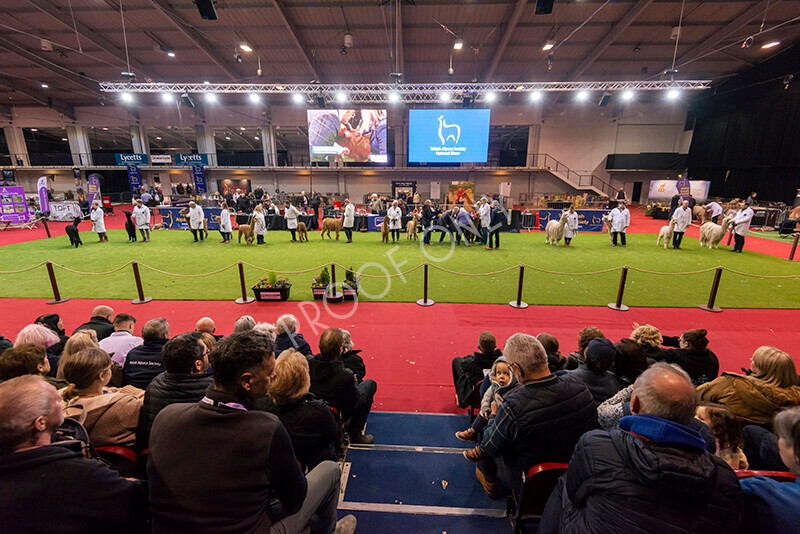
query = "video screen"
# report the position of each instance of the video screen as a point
(448, 135)
(347, 135)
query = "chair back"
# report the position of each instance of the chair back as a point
(780, 476)
(537, 486)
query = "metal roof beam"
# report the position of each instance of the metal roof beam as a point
(511, 25)
(41, 98)
(284, 19)
(64, 72)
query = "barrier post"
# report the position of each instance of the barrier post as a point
(425, 301)
(518, 303)
(47, 228)
(713, 295)
(730, 236)
(244, 299)
(794, 246)
(619, 306)
(334, 296)
(56, 295)
(142, 299)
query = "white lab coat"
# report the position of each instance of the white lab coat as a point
(349, 216)
(571, 228)
(290, 215)
(620, 219)
(98, 221)
(259, 225)
(394, 215)
(196, 217)
(741, 221)
(225, 221)
(142, 216)
(683, 218)
(716, 209)
(485, 211)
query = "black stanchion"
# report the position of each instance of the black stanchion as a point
(518, 303)
(333, 295)
(794, 247)
(56, 295)
(730, 236)
(619, 306)
(713, 295)
(425, 301)
(244, 299)
(47, 228)
(142, 299)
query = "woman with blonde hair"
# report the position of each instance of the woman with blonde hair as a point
(757, 397)
(110, 415)
(311, 424)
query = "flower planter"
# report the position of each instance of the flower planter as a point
(318, 292)
(267, 294)
(350, 293)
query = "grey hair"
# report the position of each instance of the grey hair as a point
(526, 351)
(679, 409)
(155, 328)
(267, 329)
(785, 425)
(243, 324)
(495, 203)
(348, 342)
(286, 324)
(22, 400)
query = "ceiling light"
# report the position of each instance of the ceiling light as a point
(246, 47)
(298, 98)
(227, 138)
(627, 95)
(211, 97)
(170, 53)
(206, 82)
(770, 45)
(549, 45)
(673, 94)
(64, 139)
(582, 96)
(491, 96)
(536, 96)
(104, 128)
(394, 97)
(241, 128)
(445, 97)
(45, 86)
(255, 98)
(458, 44)
(341, 97)
(158, 138)
(256, 138)
(127, 98)
(166, 97)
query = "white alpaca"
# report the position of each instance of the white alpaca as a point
(555, 230)
(607, 222)
(666, 233)
(711, 234)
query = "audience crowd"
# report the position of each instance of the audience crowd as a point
(197, 432)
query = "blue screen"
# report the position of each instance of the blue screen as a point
(448, 135)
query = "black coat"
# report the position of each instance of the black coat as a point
(163, 390)
(351, 360)
(296, 341)
(101, 325)
(467, 371)
(143, 363)
(702, 366)
(427, 215)
(55, 488)
(334, 384)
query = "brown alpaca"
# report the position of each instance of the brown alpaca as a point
(302, 232)
(411, 227)
(385, 230)
(701, 214)
(329, 224)
(246, 230)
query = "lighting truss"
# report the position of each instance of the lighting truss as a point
(408, 93)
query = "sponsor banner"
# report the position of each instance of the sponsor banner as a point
(8, 177)
(134, 178)
(13, 208)
(93, 188)
(588, 220)
(191, 159)
(199, 179)
(448, 135)
(404, 189)
(172, 218)
(44, 201)
(131, 159)
(161, 158)
(65, 211)
(664, 189)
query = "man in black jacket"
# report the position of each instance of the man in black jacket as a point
(186, 379)
(288, 336)
(428, 214)
(652, 474)
(468, 371)
(100, 322)
(217, 466)
(52, 487)
(144, 362)
(338, 386)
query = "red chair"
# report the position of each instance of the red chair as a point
(475, 401)
(121, 459)
(780, 476)
(528, 505)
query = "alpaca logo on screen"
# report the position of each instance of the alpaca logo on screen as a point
(444, 126)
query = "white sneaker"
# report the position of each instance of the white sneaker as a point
(346, 525)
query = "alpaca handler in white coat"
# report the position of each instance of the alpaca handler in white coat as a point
(290, 214)
(683, 218)
(141, 215)
(741, 224)
(349, 219)
(394, 214)
(620, 219)
(98, 221)
(571, 228)
(225, 228)
(195, 217)
(259, 224)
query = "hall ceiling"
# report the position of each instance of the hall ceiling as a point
(301, 40)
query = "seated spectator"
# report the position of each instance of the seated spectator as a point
(594, 371)
(249, 450)
(652, 474)
(539, 422)
(54, 323)
(52, 487)
(649, 339)
(27, 359)
(185, 379)
(351, 358)
(206, 325)
(692, 355)
(122, 340)
(42, 336)
(772, 506)
(289, 337)
(87, 339)
(469, 370)
(5, 344)
(585, 336)
(555, 360)
(243, 323)
(266, 328)
(207, 340)
(100, 322)
(143, 363)
(757, 397)
(727, 433)
(312, 426)
(338, 386)
(110, 415)
(630, 362)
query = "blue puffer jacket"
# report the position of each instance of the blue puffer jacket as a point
(650, 475)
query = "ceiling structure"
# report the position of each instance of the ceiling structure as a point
(301, 41)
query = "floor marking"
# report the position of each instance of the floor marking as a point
(407, 448)
(424, 413)
(343, 481)
(420, 509)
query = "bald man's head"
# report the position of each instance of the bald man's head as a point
(665, 391)
(30, 410)
(206, 324)
(103, 311)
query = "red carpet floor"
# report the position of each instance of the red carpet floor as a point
(408, 348)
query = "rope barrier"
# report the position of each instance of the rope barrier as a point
(23, 270)
(360, 274)
(680, 273)
(474, 274)
(91, 274)
(771, 277)
(571, 274)
(285, 272)
(187, 275)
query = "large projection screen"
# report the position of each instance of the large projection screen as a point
(448, 135)
(347, 135)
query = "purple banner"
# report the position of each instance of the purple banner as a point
(44, 201)
(684, 188)
(13, 208)
(93, 189)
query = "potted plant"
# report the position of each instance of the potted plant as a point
(320, 285)
(272, 287)
(351, 283)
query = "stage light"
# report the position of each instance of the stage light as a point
(244, 45)
(170, 53)
(458, 44)
(491, 96)
(445, 97)
(341, 97)
(582, 96)
(211, 98)
(105, 129)
(394, 97)
(64, 139)
(770, 45)
(206, 82)
(34, 129)
(256, 138)
(127, 98)
(227, 138)
(536, 96)
(298, 98)
(166, 97)
(255, 98)
(45, 86)
(158, 138)
(628, 95)
(549, 45)
(673, 94)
